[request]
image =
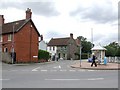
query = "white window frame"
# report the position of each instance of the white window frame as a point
(50, 48)
(10, 37)
(53, 48)
(1, 39)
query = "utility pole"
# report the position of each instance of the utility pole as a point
(13, 44)
(92, 37)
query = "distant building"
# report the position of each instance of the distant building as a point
(20, 37)
(42, 44)
(65, 48)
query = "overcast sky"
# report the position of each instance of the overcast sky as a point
(59, 18)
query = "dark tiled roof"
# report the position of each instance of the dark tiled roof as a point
(16, 26)
(58, 41)
(8, 27)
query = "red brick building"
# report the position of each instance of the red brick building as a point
(20, 37)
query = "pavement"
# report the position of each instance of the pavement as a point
(87, 65)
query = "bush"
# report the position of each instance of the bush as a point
(43, 55)
(84, 56)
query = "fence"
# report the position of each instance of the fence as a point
(113, 59)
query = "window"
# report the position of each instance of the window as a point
(61, 48)
(63, 54)
(9, 37)
(0, 38)
(53, 48)
(5, 50)
(65, 48)
(50, 47)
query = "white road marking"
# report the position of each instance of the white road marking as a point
(62, 79)
(35, 69)
(72, 70)
(57, 66)
(95, 79)
(91, 70)
(74, 79)
(44, 70)
(63, 70)
(4, 79)
(81, 70)
(14, 70)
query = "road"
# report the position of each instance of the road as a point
(56, 75)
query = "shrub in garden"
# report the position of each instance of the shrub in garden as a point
(43, 55)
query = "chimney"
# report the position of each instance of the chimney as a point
(1, 19)
(28, 13)
(41, 37)
(78, 41)
(71, 35)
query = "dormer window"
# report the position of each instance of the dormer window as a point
(10, 37)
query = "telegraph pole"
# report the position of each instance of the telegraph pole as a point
(92, 37)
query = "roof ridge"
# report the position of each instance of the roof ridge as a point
(16, 21)
(62, 38)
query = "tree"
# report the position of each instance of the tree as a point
(110, 51)
(113, 49)
(86, 45)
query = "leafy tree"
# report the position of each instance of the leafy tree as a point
(86, 45)
(113, 49)
(110, 51)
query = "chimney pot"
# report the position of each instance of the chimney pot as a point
(2, 19)
(41, 37)
(71, 35)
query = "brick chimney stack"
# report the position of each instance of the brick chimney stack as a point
(71, 35)
(78, 41)
(2, 19)
(41, 37)
(28, 13)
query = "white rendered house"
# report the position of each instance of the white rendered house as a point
(52, 50)
(42, 44)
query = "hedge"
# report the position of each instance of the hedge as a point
(43, 55)
(84, 56)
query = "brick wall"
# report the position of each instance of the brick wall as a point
(26, 44)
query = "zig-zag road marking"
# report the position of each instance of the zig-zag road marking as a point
(35, 69)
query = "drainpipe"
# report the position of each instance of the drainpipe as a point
(30, 41)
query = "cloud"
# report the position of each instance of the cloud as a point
(41, 8)
(53, 34)
(97, 12)
(105, 39)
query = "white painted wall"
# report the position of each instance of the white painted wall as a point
(53, 52)
(42, 45)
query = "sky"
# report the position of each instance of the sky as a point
(95, 20)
